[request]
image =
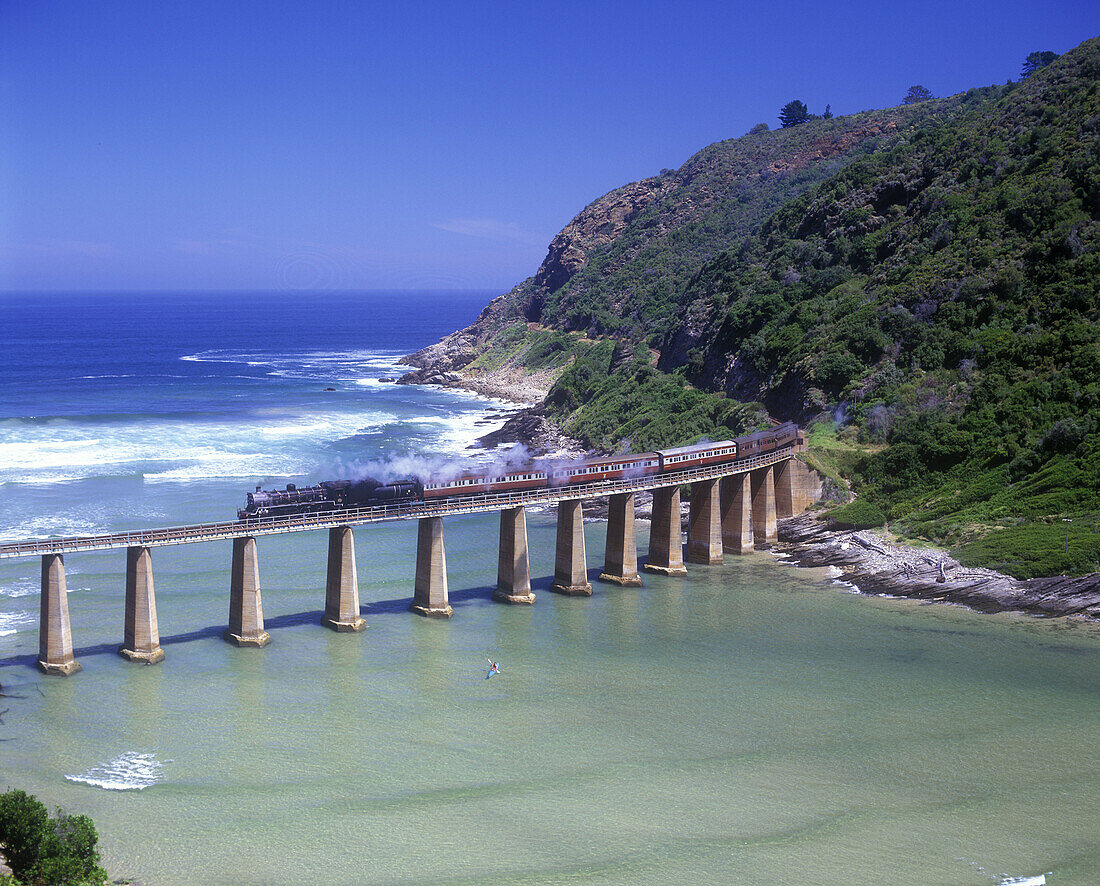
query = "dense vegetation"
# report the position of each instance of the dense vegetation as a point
(945, 294)
(632, 285)
(936, 298)
(614, 399)
(44, 851)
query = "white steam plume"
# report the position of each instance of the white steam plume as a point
(435, 468)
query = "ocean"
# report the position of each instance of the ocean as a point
(751, 723)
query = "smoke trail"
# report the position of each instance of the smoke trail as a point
(438, 468)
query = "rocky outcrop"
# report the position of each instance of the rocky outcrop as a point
(876, 566)
(596, 227)
(531, 428)
(507, 383)
(459, 349)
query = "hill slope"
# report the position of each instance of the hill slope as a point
(620, 267)
(947, 294)
(927, 276)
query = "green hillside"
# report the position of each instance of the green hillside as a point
(940, 296)
(945, 294)
(621, 267)
(920, 286)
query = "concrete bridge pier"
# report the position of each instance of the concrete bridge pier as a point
(795, 487)
(666, 552)
(736, 496)
(620, 561)
(246, 611)
(570, 565)
(513, 564)
(55, 639)
(142, 633)
(705, 523)
(430, 588)
(342, 584)
(762, 482)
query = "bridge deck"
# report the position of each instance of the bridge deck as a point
(491, 501)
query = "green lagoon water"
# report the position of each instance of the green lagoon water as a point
(751, 723)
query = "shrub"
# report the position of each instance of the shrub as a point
(860, 514)
(23, 824)
(42, 851)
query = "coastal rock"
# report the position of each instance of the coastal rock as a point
(516, 386)
(877, 566)
(531, 428)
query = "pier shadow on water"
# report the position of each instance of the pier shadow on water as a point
(394, 606)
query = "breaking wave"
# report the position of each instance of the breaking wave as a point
(132, 771)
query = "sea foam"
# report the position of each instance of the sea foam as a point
(132, 771)
(10, 622)
(161, 449)
(332, 365)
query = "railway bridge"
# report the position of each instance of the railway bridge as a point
(733, 507)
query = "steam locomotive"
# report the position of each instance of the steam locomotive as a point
(334, 495)
(331, 495)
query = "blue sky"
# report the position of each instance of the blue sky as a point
(415, 145)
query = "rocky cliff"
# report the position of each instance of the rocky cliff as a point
(620, 265)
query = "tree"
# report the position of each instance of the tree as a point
(1036, 60)
(759, 127)
(793, 113)
(917, 94)
(23, 822)
(68, 852)
(41, 850)
(828, 115)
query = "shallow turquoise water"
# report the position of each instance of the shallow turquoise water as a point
(751, 723)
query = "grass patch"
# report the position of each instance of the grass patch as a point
(531, 349)
(1038, 548)
(859, 514)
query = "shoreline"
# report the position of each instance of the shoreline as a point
(522, 389)
(876, 566)
(520, 397)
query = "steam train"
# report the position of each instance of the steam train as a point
(334, 495)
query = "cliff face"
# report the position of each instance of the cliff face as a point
(621, 265)
(594, 230)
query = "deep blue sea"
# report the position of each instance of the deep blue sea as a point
(750, 723)
(119, 411)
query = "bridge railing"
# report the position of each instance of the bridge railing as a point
(489, 501)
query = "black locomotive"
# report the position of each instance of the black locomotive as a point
(328, 496)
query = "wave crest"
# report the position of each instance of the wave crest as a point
(132, 771)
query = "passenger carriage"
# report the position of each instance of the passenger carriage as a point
(769, 440)
(616, 467)
(697, 455)
(469, 484)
